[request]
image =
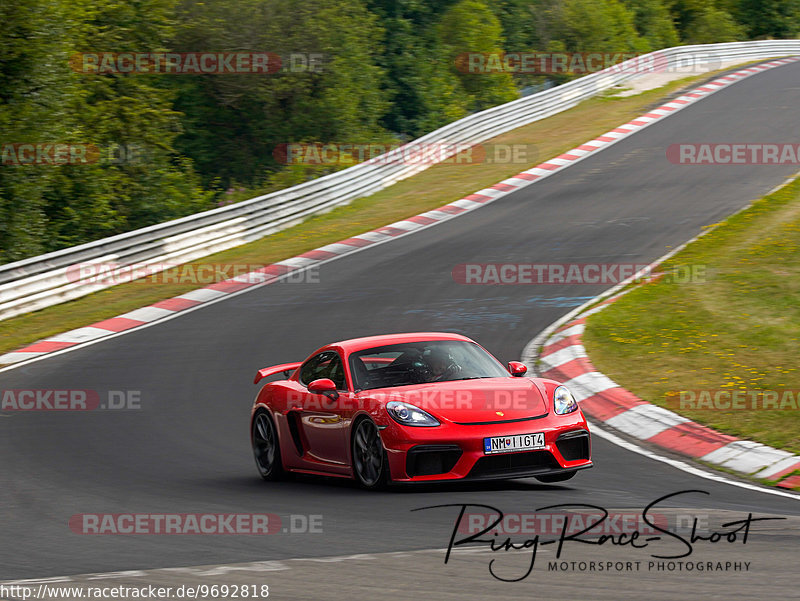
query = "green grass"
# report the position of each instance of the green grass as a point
(736, 328)
(432, 188)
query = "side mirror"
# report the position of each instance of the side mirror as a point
(324, 386)
(517, 368)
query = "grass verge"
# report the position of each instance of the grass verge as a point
(432, 188)
(734, 327)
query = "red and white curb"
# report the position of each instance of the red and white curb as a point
(272, 273)
(563, 357)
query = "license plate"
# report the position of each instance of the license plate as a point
(516, 442)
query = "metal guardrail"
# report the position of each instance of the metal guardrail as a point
(52, 278)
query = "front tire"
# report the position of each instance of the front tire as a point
(266, 447)
(370, 468)
(551, 478)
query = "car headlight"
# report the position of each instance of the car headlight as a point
(409, 415)
(563, 401)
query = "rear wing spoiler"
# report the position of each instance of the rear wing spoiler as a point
(286, 368)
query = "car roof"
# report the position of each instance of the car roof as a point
(359, 344)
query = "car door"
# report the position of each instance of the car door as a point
(321, 418)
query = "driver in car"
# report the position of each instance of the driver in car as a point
(441, 365)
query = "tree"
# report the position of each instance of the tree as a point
(654, 23)
(712, 25)
(517, 18)
(422, 89)
(45, 101)
(470, 27)
(769, 18)
(233, 122)
(31, 111)
(596, 26)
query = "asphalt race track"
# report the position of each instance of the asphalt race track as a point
(187, 448)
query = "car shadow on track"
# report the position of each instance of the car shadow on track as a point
(307, 484)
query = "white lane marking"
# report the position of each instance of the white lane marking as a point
(538, 171)
(336, 248)
(645, 421)
(575, 330)
(781, 465)
(562, 356)
(681, 465)
(589, 384)
(593, 310)
(746, 456)
(18, 357)
(466, 204)
(491, 192)
(79, 335)
(296, 262)
(407, 225)
(435, 214)
(202, 295)
(517, 182)
(147, 314)
(373, 238)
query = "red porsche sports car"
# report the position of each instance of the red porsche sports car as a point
(415, 408)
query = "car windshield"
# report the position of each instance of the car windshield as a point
(422, 362)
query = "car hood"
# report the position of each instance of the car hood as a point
(471, 401)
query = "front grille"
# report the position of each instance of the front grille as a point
(574, 445)
(427, 460)
(502, 421)
(511, 464)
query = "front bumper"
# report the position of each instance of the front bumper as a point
(456, 452)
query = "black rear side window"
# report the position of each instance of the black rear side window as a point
(324, 365)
